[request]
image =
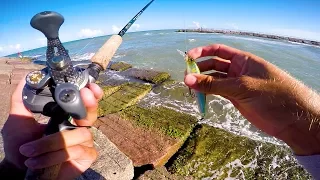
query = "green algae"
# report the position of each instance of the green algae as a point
(26, 59)
(215, 153)
(108, 90)
(169, 82)
(120, 97)
(161, 119)
(150, 76)
(161, 173)
(160, 77)
(120, 66)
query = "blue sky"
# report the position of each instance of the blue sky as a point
(89, 18)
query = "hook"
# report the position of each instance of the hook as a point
(190, 94)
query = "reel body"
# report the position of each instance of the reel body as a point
(55, 90)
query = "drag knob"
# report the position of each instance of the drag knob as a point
(48, 22)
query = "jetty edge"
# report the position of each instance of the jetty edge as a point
(253, 34)
(141, 142)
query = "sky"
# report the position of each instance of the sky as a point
(90, 18)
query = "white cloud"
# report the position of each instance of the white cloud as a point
(197, 24)
(9, 49)
(84, 33)
(136, 26)
(43, 41)
(115, 29)
(299, 33)
(17, 46)
(233, 26)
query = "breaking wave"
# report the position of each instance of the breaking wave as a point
(260, 40)
(221, 112)
(82, 57)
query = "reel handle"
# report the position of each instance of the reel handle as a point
(48, 22)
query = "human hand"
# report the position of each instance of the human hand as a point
(268, 97)
(26, 148)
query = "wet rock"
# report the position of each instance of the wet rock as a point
(154, 77)
(147, 136)
(111, 163)
(161, 173)
(120, 66)
(217, 154)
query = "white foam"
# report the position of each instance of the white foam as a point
(116, 56)
(191, 40)
(113, 75)
(274, 42)
(35, 56)
(221, 112)
(148, 34)
(81, 57)
(303, 44)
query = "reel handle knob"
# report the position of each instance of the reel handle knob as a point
(48, 22)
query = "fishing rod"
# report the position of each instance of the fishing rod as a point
(102, 58)
(55, 90)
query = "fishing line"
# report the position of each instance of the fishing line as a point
(79, 51)
(185, 34)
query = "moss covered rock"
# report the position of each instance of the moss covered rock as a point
(161, 173)
(217, 154)
(167, 121)
(160, 77)
(25, 59)
(147, 136)
(169, 82)
(120, 97)
(151, 76)
(120, 66)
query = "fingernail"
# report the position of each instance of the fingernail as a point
(27, 150)
(31, 163)
(190, 80)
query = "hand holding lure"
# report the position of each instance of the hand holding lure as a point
(192, 67)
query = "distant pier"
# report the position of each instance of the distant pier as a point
(244, 33)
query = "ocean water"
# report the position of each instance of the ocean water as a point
(157, 50)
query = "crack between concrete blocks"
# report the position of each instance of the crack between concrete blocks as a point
(10, 76)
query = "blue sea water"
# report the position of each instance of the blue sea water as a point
(157, 50)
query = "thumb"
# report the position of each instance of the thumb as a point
(209, 85)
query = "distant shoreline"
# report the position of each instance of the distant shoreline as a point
(268, 36)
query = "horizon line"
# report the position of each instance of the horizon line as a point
(221, 29)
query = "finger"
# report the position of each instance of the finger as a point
(215, 63)
(57, 141)
(230, 87)
(91, 105)
(219, 50)
(77, 152)
(17, 107)
(97, 91)
(218, 75)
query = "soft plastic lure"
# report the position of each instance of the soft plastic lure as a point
(192, 67)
